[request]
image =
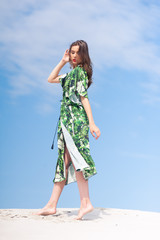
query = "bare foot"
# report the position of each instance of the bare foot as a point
(84, 211)
(46, 211)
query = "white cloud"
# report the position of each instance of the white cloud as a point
(36, 33)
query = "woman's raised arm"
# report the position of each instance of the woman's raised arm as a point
(53, 77)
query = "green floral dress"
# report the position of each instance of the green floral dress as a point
(73, 128)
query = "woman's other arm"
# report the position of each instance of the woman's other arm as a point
(53, 77)
(92, 126)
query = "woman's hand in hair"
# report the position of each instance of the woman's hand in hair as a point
(66, 56)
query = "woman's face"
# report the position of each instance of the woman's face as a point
(74, 56)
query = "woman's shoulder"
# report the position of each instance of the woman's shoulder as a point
(80, 69)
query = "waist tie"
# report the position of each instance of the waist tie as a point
(55, 132)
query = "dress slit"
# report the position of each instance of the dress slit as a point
(75, 155)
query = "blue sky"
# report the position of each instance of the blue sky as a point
(123, 38)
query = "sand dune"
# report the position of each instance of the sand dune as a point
(101, 223)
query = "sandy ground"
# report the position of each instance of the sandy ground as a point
(101, 223)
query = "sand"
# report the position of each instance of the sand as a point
(101, 223)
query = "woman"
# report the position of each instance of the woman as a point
(74, 160)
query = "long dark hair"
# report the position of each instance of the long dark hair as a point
(86, 61)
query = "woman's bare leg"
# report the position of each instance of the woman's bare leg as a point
(50, 207)
(86, 205)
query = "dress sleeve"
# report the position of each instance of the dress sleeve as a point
(78, 85)
(62, 79)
